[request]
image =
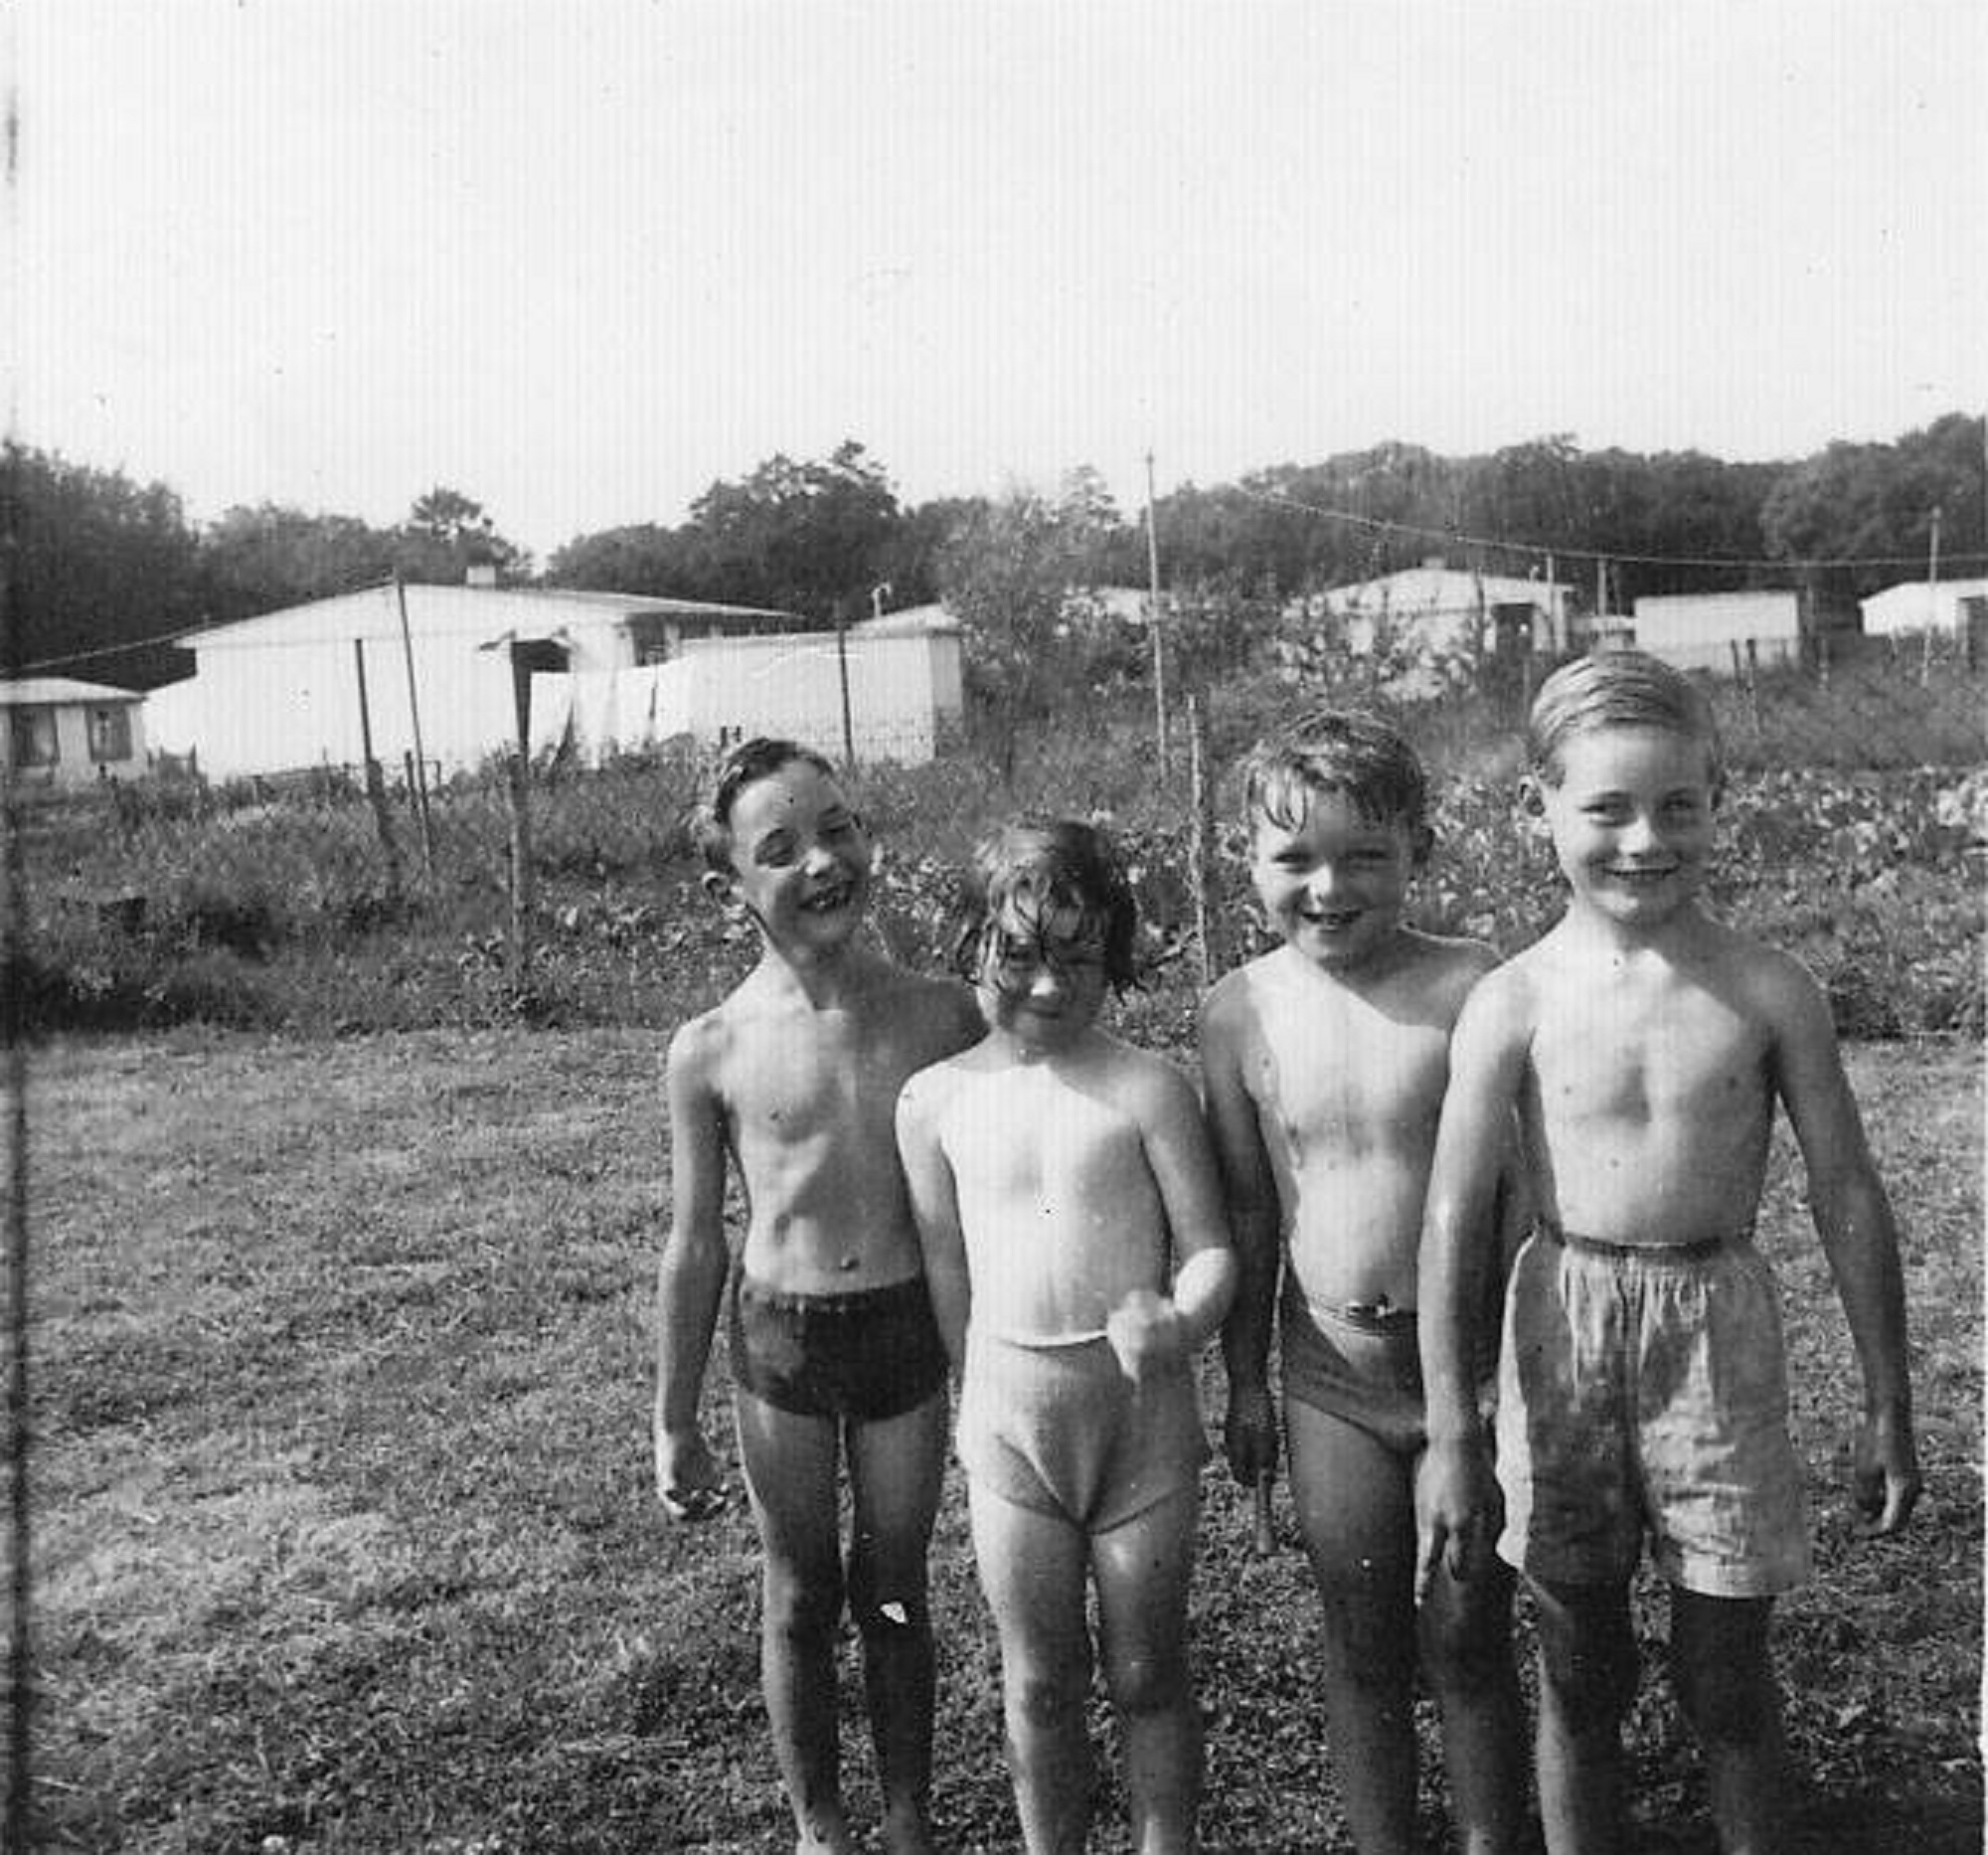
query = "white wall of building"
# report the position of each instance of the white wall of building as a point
(281, 692)
(1919, 606)
(1698, 631)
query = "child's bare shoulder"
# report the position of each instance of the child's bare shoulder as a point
(1450, 962)
(928, 1088)
(1231, 999)
(1775, 986)
(696, 1042)
(1504, 998)
(1147, 1082)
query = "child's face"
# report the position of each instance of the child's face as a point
(1631, 818)
(1041, 979)
(1335, 884)
(800, 859)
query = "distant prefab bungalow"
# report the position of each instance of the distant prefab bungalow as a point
(304, 686)
(57, 732)
(1714, 630)
(1446, 610)
(309, 685)
(1945, 605)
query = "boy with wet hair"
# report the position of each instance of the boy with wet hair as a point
(836, 1359)
(1642, 1387)
(1079, 1260)
(1324, 1064)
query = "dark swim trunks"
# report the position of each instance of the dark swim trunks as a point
(865, 1356)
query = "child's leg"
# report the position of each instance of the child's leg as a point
(1587, 1679)
(895, 1467)
(1725, 1683)
(1142, 1569)
(1356, 1509)
(1466, 1633)
(789, 1465)
(1032, 1569)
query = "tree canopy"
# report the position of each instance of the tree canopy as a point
(103, 571)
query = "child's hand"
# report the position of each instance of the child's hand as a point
(1458, 1511)
(1145, 1333)
(1886, 1471)
(687, 1479)
(1249, 1434)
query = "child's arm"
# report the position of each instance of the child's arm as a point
(1149, 1329)
(1456, 1496)
(1853, 1216)
(1250, 1429)
(935, 1210)
(690, 1280)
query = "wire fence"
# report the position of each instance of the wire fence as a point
(338, 897)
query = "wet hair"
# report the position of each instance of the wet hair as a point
(1617, 689)
(1038, 866)
(738, 767)
(1346, 751)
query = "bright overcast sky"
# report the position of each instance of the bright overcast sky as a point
(579, 260)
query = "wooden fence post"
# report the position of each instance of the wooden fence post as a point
(376, 784)
(1201, 839)
(518, 944)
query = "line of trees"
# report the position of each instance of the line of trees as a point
(98, 564)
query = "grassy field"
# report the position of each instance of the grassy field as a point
(344, 1537)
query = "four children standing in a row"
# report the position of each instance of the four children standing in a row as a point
(1392, 1114)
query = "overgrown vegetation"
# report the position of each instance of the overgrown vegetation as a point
(1853, 834)
(345, 1542)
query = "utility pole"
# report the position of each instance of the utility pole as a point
(420, 793)
(1932, 596)
(1153, 621)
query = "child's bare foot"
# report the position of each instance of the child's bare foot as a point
(907, 1832)
(823, 1834)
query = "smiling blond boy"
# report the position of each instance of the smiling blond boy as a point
(1645, 1047)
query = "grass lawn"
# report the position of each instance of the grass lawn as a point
(344, 1539)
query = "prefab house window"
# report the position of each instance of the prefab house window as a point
(111, 734)
(34, 737)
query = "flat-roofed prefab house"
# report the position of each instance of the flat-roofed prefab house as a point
(1452, 611)
(301, 687)
(1710, 630)
(58, 732)
(1950, 606)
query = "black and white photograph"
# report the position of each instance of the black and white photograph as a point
(942, 927)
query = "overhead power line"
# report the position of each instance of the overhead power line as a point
(1453, 538)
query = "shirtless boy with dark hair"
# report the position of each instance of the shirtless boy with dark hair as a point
(835, 1354)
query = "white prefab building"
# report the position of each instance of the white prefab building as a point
(1926, 605)
(299, 688)
(1702, 630)
(1450, 611)
(58, 732)
(302, 688)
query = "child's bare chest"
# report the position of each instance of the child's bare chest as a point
(1344, 1082)
(1652, 1053)
(1032, 1141)
(818, 1080)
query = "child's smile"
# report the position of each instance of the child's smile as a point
(1631, 816)
(1334, 884)
(800, 857)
